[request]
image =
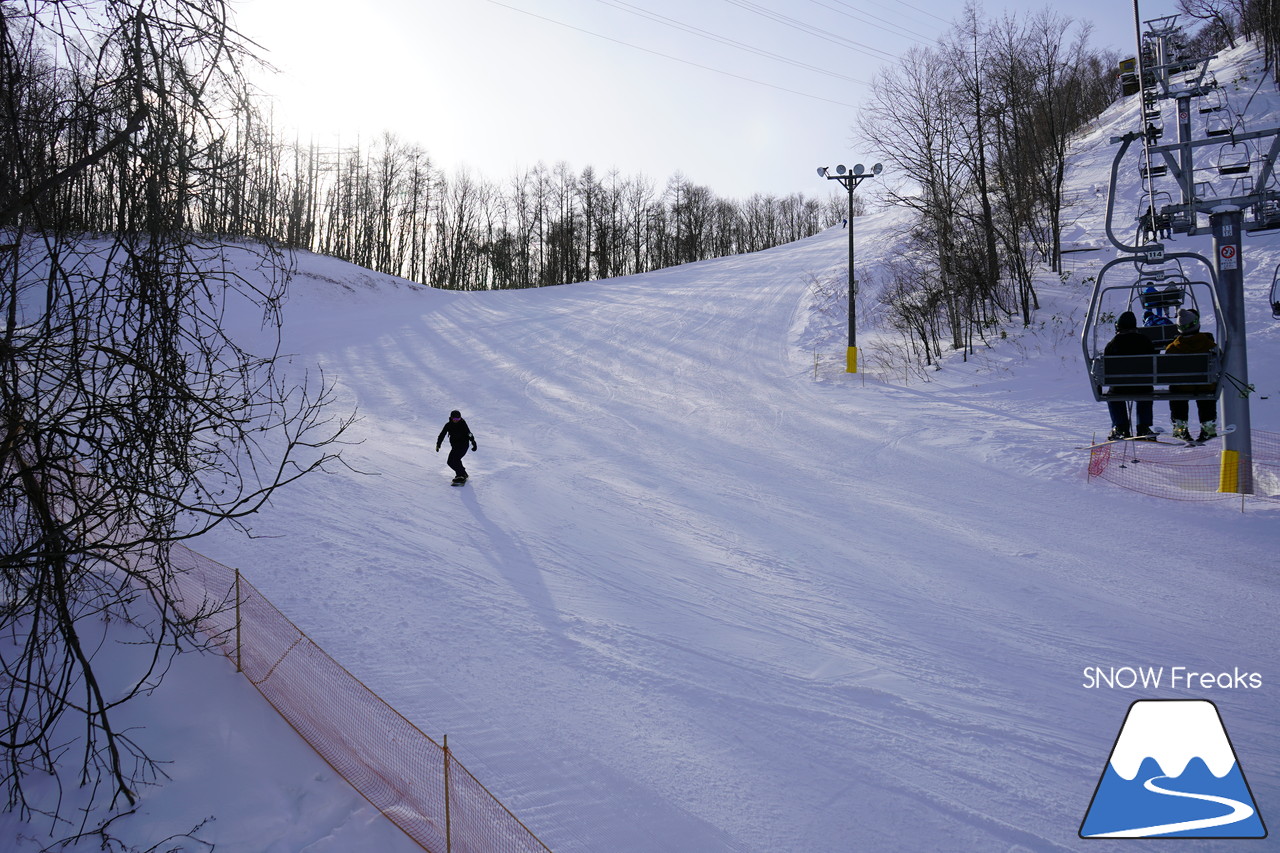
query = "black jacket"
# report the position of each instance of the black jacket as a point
(1130, 342)
(459, 434)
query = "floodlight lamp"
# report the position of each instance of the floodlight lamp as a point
(859, 169)
(840, 170)
(877, 168)
(822, 171)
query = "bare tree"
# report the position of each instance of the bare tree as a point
(913, 118)
(1260, 19)
(1220, 15)
(131, 418)
(980, 130)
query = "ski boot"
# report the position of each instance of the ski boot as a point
(1180, 431)
(1117, 434)
(1208, 430)
(1144, 433)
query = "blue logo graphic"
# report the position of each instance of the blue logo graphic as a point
(1173, 773)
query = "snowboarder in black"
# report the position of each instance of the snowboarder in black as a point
(459, 436)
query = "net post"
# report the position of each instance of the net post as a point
(448, 827)
(239, 667)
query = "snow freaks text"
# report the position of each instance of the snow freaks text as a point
(1174, 677)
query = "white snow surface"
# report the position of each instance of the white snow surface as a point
(701, 596)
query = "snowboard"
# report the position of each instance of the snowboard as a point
(1159, 431)
(1192, 442)
(459, 481)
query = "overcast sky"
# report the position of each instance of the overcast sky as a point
(741, 96)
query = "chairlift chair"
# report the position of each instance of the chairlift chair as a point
(1266, 213)
(1158, 224)
(1234, 158)
(1218, 125)
(1212, 101)
(1170, 268)
(1181, 219)
(1160, 376)
(1128, 72)
(1242, 185)
(1275, 293)
(1172, 295)
(1161, 291)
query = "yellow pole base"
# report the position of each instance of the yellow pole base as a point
(1229, 472)
(851, 360)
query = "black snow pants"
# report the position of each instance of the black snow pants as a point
(456, 452)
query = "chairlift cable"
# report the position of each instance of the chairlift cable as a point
(630, 8)
(861, 15)
(673, 58)
(794, 23)
(1146, 138)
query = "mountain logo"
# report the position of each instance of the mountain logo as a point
(1172, 773)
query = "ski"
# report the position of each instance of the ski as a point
(1152, 438)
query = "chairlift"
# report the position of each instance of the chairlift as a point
(1160, 306)
(1242, 185)
(1157, 225)
(1212, 101)
(1218, 125)
(1128, 73)
(1275, 293)
(1157, 272)
(1234, 158)
(1266, 213)
(1155, 170)
(1155, 294)
(1161, 291)
(1181, 218)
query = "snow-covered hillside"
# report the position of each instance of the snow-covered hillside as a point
(701, 596)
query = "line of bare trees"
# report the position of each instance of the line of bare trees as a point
(978, 130)
(384, 205)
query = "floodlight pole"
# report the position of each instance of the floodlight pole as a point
(850, 180)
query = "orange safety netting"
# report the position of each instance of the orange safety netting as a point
(1170, 470)
(414, 781)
